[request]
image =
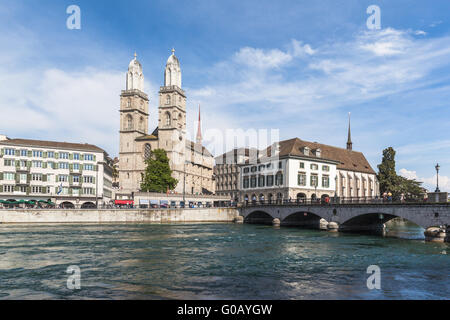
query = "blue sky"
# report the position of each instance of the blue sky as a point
(296, 66)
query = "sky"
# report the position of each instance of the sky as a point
(296, 67)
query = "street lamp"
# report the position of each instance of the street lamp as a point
(437, 177)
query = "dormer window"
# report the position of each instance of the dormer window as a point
(318, 152)
(305, 151)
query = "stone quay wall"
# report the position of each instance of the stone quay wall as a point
(118, 215)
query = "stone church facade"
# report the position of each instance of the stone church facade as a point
(191, 163)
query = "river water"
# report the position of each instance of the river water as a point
(217, 261)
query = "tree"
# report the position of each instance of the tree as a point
(391, 182)
(158, 175)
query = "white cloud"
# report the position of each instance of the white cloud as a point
(386, 42)
(300, 49)
(420, 33)
(262, 59)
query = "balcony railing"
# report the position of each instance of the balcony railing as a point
(333, 201)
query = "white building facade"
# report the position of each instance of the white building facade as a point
(306, 170)
(66, 174)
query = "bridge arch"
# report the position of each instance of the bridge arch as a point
(302, 219)
(259, 217)
(374, 218)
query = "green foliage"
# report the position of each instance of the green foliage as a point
(158, 175)
(391, 182)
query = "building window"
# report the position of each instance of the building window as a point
(89, 157)
(314, 166)
(279, 179)
(76, 156)
(253, 182)
(254, 168)
(88, 179)
(8, 188)
(246, 183)
(37, 164)
(246, 170)
(50, 154)
(325, 181)
(36, 177)
(147, 151)
(23, 153)
(37, 154)
(326, 168)
(314, 180)
(270, 180)
(8, 163)
(89, 167)
(8, 176)
(261, 181)
(280, 165)
(129, 122)
(302, 179)
(302, 165)
(76, 179)
(168, 121)
(168, 99)
(10, 152)
(63, 165)
(129, 103)
(63, 178)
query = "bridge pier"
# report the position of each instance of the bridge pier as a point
(238, 219)
(436, 234)
(333, 226)
(323, 224)
(276, 222)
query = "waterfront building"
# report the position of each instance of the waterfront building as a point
(300, 169)
(68, 174)
(226, 171)
(191, 162)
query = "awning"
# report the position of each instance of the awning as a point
(124, 202)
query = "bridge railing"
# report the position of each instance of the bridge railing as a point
(333, 201)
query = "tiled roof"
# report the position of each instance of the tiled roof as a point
(348, 159)
(52, 144)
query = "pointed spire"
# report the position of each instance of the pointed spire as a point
(173, 51)
(349, 139)
(135, 55)
(199, 129)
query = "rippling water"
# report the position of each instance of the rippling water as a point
(217, 261)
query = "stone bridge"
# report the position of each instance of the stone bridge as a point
(352, 217)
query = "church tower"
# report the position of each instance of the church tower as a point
(133, 124)
(172, 118)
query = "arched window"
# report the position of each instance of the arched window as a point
(129, 124)
(167, 119)
(129, 103)
(141, 124)
(168, 99)
(147, 151)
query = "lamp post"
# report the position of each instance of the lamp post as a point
(437, 167)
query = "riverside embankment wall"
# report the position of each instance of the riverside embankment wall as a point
(118, 215)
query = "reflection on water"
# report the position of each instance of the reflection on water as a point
(218, 261)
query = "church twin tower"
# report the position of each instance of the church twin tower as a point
(136, 143)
